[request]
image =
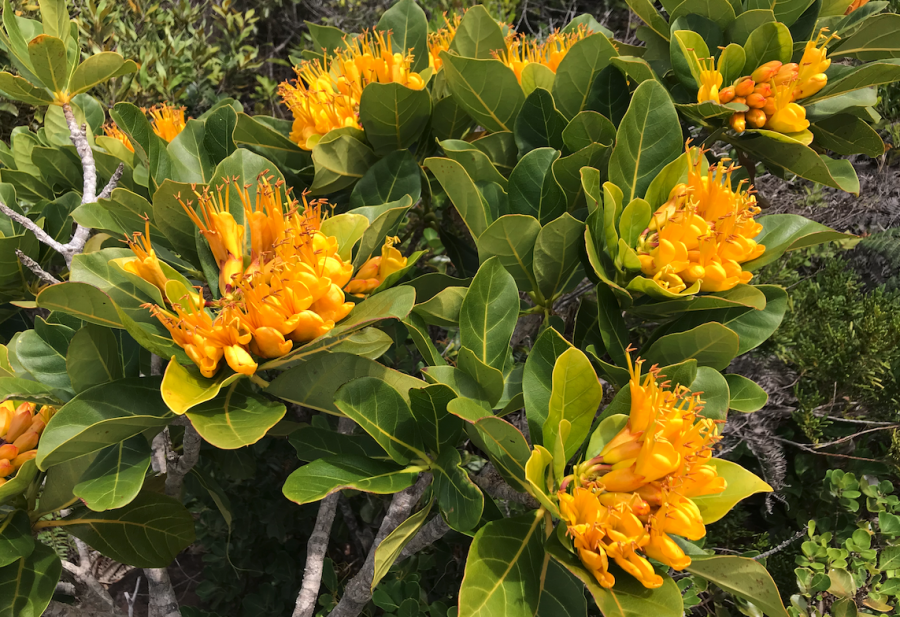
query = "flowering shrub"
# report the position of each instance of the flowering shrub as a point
(270, 264)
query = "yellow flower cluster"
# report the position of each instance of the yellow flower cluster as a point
(521, 52)
(626, 501)
(287, 290)
(20, 432)
(771, 90)
(376, 269)
(166, 121)
(326, 94)
(440, 41)
(699, 238)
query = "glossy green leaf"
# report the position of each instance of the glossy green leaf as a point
(563, 594)
(586, 128)
(20, 89)
(341, 158)
(388, 180)
(18, 389)
(27, 584)
(846, 134)
(526, 183)
(505, 446)
(741, 484)
(789, 232)
(313, 443)
(322, 477)
(16, 540)
(440, 429)
(449, 119)
(149, 532)
(236, 417)
(577, 72)
(115, 476)
(93, 358)
(393, 115)
(390, 548)
(149, 148)
(98, 69)
(874, 40)
(711, 344)
(183, 387)
(488, 378)
(746, 395)
(443, 309)
(769, 41)
(538, 379)
(102, 416)
(743, 577)
(48, 59)
(574, 397)
(536, 76)
(409, 32)
(503, 569)
(511, 239)
(649, 137)
(686, 48)
(384, 414)
(259, 137)
(39, 358)
(463, 193)
(460, 501)
(715, 391)
(557, 254)
(489, 312)
(539, 124)
(486, 89)
(478, 35)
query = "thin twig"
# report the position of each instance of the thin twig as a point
(113, 182)
(83, 573)
(494, 485)
(784, 544)
(807, 448)
(33, 227)
(358, 591)
(431, 532)
(190, 454)
(36, 268)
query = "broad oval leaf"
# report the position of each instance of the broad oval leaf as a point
(740, 485)
(393, 115)
(115, 476)
(236, 417)
(183, 387)
(324, 476)
(27, 584)
(743, 577)
(487, 89)
(390, 548)
(577, 72)
(488, 314)
(711, 344)
(16, 540)
(746, 395)
(575, 396)
(460, 501)
(511, 239)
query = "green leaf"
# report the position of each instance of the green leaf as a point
(326, 38)
(476, 163)
(577, 72)
(48, 59)
(463, 193)
(486, 89)
(149, 148)
(711, 344)
(384, 414)
(715, 392)
(324, 476)
(649, 137)
(388, 180)
(147, 533)
(557, 254)
(770, 41)
(503, 569)
(242, 168)
(20, 483)
(55, 18)
(443, 309)
(478, 35)
(682, 49)
(449, 120)
(27, 585)
(191, 161)
(608, 428)
(409, 32)
(587, 128)
(650, 16)
(628, 598)
(537, 382)
(236, 417)
(488, 314)
(98, 69)
(611, 324)
(846, 134)
(383, 226)
(312, 443)
(743, 577)
(511, 239)
(393, 115)
(18, 389)
(93, 357)
(341, 158)
(719, 11)
(20, 89)
(390, 548)
(864, 76)
(563, 594)
(16, 540)
(102, 416)
(526, 183)
(505, 446)
(574, 397)
(489, 379)
(172, 219)
(789, 232)
(440, 429)
(746, 395)
(460, 501)
(115, 476)
(39, 358)
(539, 124)
(183, 387)
(874, 40)
(748, 21)
(536, 76)
(258, 137)
(741, 484)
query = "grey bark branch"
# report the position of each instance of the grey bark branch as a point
(82, 572)
(494, 485)
(358, 591)
(182, 465)
(113, 182)
(36, 268)
(317, 546)
(431, 532)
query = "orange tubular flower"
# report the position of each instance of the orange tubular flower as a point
(167, 121)
(326, 94)
(702, 234)
(440, 41)
(372, 273)
(289, 291)
(145, 264)
(521, 52)
(637, 491)
(21, 426)
(110, 129)
(710, 80)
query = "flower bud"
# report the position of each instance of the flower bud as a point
(786, 73)
(19, 425)
(726, 94)
(23, 458)
(766, 71)
(738, 123)
(27, 441)
(763, 89)
(6, 468)
(8, 451)
(756, 100)
(744, 87)
(740, 99)
(756, 118)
